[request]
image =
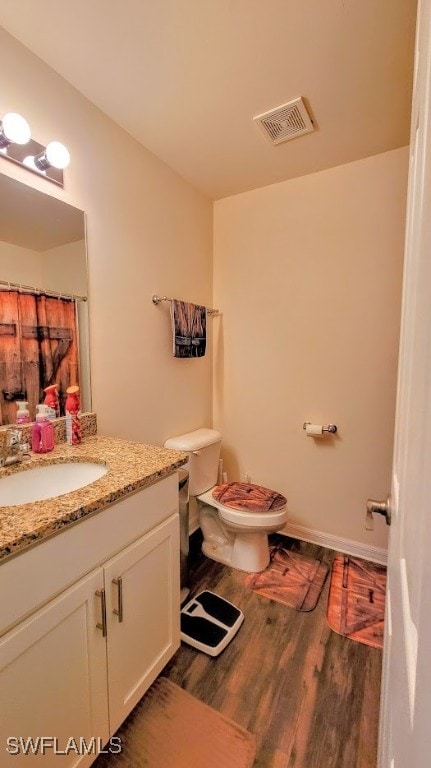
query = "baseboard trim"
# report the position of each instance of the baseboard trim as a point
(347, 546)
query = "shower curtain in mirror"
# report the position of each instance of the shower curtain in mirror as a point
(38, 347)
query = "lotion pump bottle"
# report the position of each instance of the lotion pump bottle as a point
(42, 434)
(22, 414)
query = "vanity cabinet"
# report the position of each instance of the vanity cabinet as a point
(75, 667)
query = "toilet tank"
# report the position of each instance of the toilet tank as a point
(203, 447)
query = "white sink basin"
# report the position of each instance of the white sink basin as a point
(41, 483)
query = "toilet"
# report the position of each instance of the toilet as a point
(235, 518)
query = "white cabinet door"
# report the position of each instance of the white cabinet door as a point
(53, 681)
(146, 574)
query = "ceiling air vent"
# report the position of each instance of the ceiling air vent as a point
(285, 122)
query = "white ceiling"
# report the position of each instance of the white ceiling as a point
(185, 77)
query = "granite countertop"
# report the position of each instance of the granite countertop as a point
(131, 467)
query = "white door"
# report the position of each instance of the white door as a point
(405, 726)
(143, 616)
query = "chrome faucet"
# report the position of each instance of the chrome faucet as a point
(12, 447)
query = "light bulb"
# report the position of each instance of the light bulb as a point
(14, 129)
(29, 163)
(57, 155)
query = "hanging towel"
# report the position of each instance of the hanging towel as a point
(189, 328)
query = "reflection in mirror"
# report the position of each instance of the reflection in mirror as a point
(43, 276)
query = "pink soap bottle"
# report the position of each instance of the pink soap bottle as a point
(35, 437)
(42, 433)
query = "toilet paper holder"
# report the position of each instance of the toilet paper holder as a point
(331, 428)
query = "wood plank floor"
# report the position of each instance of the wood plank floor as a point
(310, 696)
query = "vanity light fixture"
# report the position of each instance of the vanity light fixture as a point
(16, 145)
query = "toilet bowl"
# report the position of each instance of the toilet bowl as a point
(238, 537)
(235, 532)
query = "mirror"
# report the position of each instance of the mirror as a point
(42, 245)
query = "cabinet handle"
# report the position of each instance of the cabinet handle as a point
(101, 593)
(119, 611)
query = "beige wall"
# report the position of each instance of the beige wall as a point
(59, 269)
(308, 277)
(65, 265)
(19, 265)
(148, 232)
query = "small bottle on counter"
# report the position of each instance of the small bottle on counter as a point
(73, 416)
(22, 414)
(51, 400)
(42, 433)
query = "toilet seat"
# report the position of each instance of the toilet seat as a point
(248, 497)
(235, 512)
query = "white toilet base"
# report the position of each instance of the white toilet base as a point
(248, 552)
(244, 546)
(244, 550)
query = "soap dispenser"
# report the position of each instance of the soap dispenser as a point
(42, 434)
(22, 414)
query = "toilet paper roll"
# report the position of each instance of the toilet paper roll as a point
(314, 430)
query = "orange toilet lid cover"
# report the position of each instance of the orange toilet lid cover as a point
(254, 498)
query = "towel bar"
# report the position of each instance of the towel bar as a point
(157, 299)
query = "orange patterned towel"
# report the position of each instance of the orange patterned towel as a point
(254, 498)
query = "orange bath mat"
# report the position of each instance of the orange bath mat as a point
(290, 578)
(356, 605)
(169, 728)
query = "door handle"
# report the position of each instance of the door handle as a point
(119, 611)
(101, 593)
(381, 508)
